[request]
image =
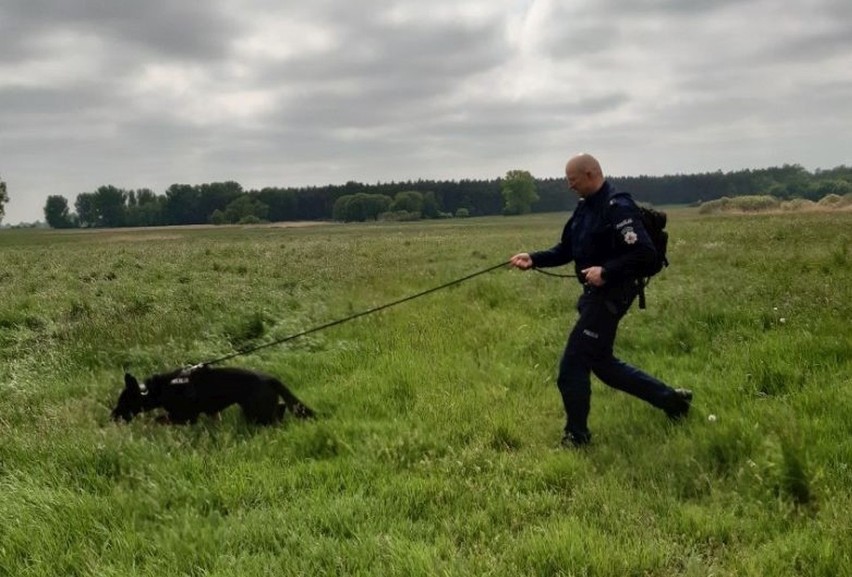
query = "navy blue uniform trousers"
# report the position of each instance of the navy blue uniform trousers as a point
(589, 350)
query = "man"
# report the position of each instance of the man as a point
(610, 248)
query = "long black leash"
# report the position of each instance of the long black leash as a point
(349, 318)
(548, 273)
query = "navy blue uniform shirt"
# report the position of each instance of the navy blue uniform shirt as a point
(605, 230)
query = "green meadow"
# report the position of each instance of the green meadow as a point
(436, 450)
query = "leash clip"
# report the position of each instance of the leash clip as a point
(188, 370)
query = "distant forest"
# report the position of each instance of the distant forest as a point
(228, 202)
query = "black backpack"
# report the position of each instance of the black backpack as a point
(654, 222)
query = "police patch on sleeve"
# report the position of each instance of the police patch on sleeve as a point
(629, 235)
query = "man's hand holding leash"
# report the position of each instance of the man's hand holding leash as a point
(522, 261)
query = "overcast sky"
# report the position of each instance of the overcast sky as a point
(292, 93)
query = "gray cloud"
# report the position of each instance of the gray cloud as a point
(162, 27)
(286, 93)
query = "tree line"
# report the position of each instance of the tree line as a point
(515, 193)
(228, 203)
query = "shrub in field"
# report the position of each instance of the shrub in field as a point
(754, 203)
(407, 201)
(763, 203)
(360, 207)
(218, 217)
(830, 200)
(715, 206)
(399, 216)
(836, 201)
(798, 205)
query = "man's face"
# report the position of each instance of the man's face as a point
(580, 181)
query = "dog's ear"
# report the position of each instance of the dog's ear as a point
(132, 384)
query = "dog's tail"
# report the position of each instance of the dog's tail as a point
(297, 407)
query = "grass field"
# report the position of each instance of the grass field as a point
(436, 451)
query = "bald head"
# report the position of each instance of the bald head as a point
(584, 174)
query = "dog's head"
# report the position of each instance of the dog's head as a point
(132, 399)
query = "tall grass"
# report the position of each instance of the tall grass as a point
(436, 451)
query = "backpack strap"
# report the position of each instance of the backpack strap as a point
(641, 283)
(615, 193)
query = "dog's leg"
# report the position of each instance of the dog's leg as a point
(182, 419)
(280, 410)
(298, 408)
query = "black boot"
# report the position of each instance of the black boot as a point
(576, 427)
(573, 439)
(678, 404)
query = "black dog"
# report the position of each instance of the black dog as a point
(186, 393)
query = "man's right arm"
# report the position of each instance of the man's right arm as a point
(557, 255)
(554, 256)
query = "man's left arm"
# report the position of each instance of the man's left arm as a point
(634, 250)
